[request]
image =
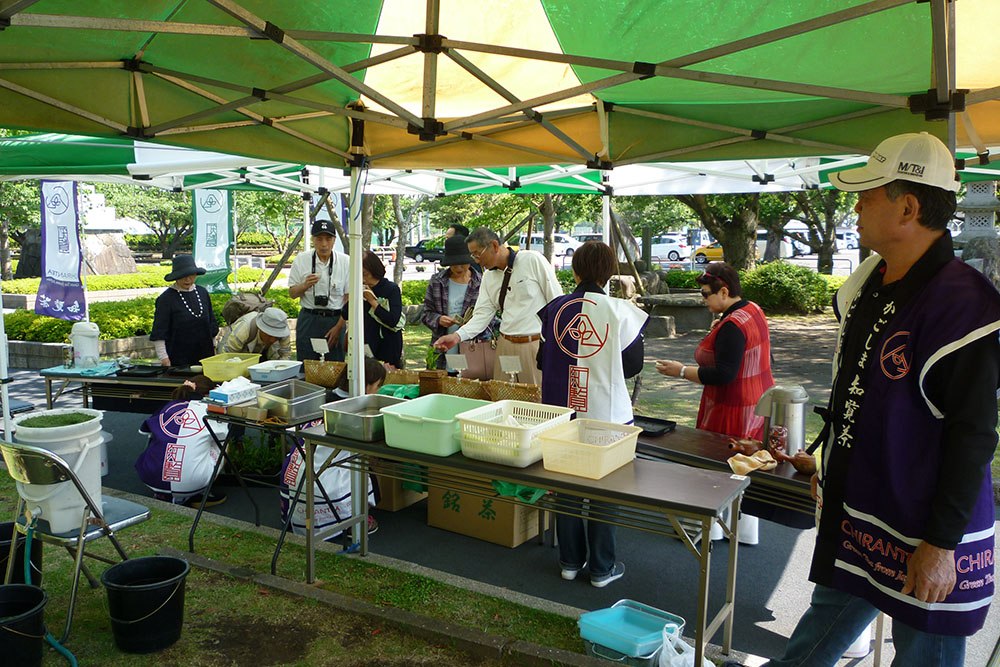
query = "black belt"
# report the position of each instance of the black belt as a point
(322, 312)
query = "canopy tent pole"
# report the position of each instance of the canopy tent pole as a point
(606, 210)
(4, 380)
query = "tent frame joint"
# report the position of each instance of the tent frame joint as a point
(928, 105)
(429, 43)
(514, 184)
(273, 32)
(132, 65)
(359, 160)
(758, 134)
(763, 180)
(643, 69)
(135, 132)
(429, 131)
(596, 163)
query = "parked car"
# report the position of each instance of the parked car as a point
(386, 253)
(671, 247)
(589, 236)
(708, 253)
(847, 239)
(563, 244)
(426, 250)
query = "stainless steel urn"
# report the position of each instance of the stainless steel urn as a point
(784, 406)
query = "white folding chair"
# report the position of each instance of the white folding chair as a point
(33, 465)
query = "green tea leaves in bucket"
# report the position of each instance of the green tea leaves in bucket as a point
(52, 421)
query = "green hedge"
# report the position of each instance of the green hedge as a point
(147, 275)
(149, 242)
(116, 319)
(780, 287)
(680, 279)
(566, 280)
(413, 292)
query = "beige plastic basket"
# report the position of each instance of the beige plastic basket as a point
(588, 447)
(507, 432)
(324, 373)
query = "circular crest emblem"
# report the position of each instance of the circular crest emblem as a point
(895, 356)
(572, 324)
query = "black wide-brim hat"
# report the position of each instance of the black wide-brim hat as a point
(183, 266)
(456, 251)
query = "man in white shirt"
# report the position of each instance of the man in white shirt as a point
(531, 285)
(319, 277)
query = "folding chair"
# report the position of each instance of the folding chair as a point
(32, 465)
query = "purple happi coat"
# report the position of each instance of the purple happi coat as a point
(892, 434)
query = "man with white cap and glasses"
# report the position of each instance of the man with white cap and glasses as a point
(266, 333)
(904, 491)
(318, 278)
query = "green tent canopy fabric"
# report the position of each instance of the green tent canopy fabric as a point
(400, 84)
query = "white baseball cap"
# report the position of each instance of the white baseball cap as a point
(920, 158)
(274, 322)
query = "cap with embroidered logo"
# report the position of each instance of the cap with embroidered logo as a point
(321, 226)
(920, 158)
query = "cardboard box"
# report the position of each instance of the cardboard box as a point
(393, 497)
(486, 518)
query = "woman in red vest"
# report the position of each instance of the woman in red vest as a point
(733, 363)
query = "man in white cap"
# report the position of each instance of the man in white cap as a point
(905, 521)
(264, 332)
(318, 278)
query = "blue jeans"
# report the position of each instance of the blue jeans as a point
(578, 537)
(835, 619)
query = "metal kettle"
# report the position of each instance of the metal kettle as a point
(784, 407)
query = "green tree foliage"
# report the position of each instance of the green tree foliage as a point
(279, 215)
(168, 214)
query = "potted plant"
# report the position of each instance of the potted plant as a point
(258, 458)
(430, 379)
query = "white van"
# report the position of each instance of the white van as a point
(562, 244)
(787, 248)
(847, 239)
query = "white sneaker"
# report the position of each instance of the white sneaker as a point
(861, 646)
(569, 573)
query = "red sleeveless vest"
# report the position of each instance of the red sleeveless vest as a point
(729, 408)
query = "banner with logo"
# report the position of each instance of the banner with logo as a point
(61, 293)
(213, 237)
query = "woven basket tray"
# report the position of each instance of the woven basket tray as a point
(324, 373)
(464, 387)
(498, 390)
(402, 377)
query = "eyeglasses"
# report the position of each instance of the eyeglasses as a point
(476, 254)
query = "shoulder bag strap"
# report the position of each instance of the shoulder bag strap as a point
(506, 280)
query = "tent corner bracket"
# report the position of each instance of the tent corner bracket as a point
(928, 105)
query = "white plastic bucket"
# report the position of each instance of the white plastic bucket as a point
(86, 348)
(77, 444)
(106, 437)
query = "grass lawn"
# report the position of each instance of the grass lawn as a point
(233, 622)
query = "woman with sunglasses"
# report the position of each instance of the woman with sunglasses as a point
(733, 364)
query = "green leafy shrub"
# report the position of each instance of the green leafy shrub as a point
(117, 319)
(833, 283)
(149, 243)
(566, 280)
(780, 287)
(680, 279)
(413, 292)
(254, 240)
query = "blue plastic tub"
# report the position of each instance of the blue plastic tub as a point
(629, 627)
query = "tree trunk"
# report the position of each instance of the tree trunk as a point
(5, 272)
(548, 211)
(30, 264)
(367, 214)
(824, 259)
(397, 269)
(772, 251)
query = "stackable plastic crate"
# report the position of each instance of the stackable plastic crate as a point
(507, 432)
(588, 447)
(427, 424)
(222, 367)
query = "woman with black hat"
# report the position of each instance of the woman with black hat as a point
(184, 326)
(452, 292)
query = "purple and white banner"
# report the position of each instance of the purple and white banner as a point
(61, 291)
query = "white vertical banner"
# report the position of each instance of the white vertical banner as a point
(213, 237)
(61, 292)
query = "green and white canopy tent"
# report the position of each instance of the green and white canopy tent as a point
(124, 160)
(400, 84)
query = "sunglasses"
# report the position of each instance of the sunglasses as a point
(705, 295)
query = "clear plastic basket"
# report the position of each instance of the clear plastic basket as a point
(588, 447)
(506, 432)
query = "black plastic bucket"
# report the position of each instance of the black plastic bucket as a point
(6, 534)
(146, 602)
(22, 624)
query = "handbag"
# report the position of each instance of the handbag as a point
(480, 355)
